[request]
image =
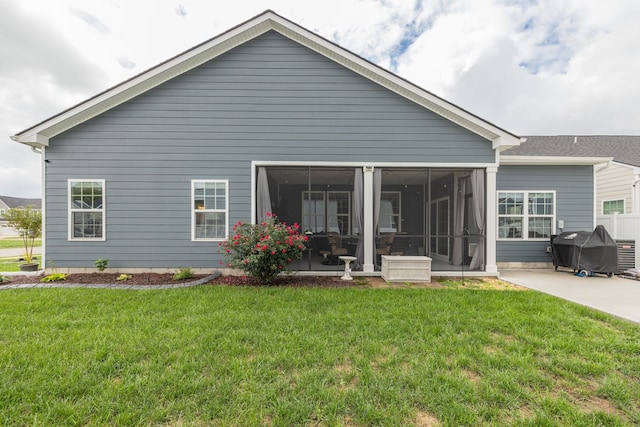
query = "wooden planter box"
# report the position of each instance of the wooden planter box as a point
(406, 268)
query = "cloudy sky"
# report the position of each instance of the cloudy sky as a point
(532, 67)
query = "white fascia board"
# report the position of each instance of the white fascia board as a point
(241, 34)
(634, 169)
(552, 160)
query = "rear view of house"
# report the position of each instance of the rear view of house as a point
(270, 117)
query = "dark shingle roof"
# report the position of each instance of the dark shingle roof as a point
(18, 202)
(624, 149)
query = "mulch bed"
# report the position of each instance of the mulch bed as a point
(167, 279)
(294, 281)
(288, 281)
(108, 278)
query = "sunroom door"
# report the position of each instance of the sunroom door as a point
(440, 227)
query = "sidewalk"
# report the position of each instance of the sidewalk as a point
(614, 295)
(17, 252)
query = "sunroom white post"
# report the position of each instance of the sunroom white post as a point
(367, 232)
(491, 221)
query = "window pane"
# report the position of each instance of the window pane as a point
(209, 196)
(510, 227)
(86, 195)
(389, 212)
(539, 228)
(338, 212)
(510, 203)
(87, 224)
(210, 225)
(313, 211)
(541, 203)
(613, 206)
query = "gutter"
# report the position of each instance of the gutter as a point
(555, 160)
(602, 166)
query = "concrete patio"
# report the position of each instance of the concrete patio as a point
(615, 295)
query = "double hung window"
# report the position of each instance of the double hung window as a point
(526, 215)
(210, 209)
(86, 209)
(389, 212)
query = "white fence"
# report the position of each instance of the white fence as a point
(623, 227)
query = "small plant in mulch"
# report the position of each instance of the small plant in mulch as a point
(183, 273)
(3, 279)
(101, 264)
(123, 277)
(54, 277)
(264, 250)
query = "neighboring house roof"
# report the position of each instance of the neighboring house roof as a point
(623, 149)
(39, 134)
(18, 202)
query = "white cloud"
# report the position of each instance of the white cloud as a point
(531, 67)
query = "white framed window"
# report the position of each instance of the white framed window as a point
(526, 215)
(389, 221)
(612, 206)
(313, 211)
(87, 209)
(210, 209)
(339, 212)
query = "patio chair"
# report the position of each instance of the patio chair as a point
(335, 249)
(383, 247)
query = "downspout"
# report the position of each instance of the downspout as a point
(635, 194)
(597, 168)
(40, 151)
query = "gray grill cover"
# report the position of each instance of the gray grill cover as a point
(583, 250)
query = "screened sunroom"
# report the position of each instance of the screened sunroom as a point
(366, 212)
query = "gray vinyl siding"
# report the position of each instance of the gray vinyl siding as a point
(574, 203)
(269, 99)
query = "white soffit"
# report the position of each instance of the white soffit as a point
(39, 134)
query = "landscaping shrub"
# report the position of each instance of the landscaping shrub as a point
(183, 273)
(54, 277)
(264, 250)
(101, 264)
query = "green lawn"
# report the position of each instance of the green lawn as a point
(281, 356)
(8, 243)
(9, 264)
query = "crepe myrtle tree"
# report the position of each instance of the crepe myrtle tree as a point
(28, 222)
(264, 250)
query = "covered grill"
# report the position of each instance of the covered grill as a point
(586, 252)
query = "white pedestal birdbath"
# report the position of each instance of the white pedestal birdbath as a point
(347, 269)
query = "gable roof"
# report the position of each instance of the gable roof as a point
(39, 134)
(622, 148)
(18, 202)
